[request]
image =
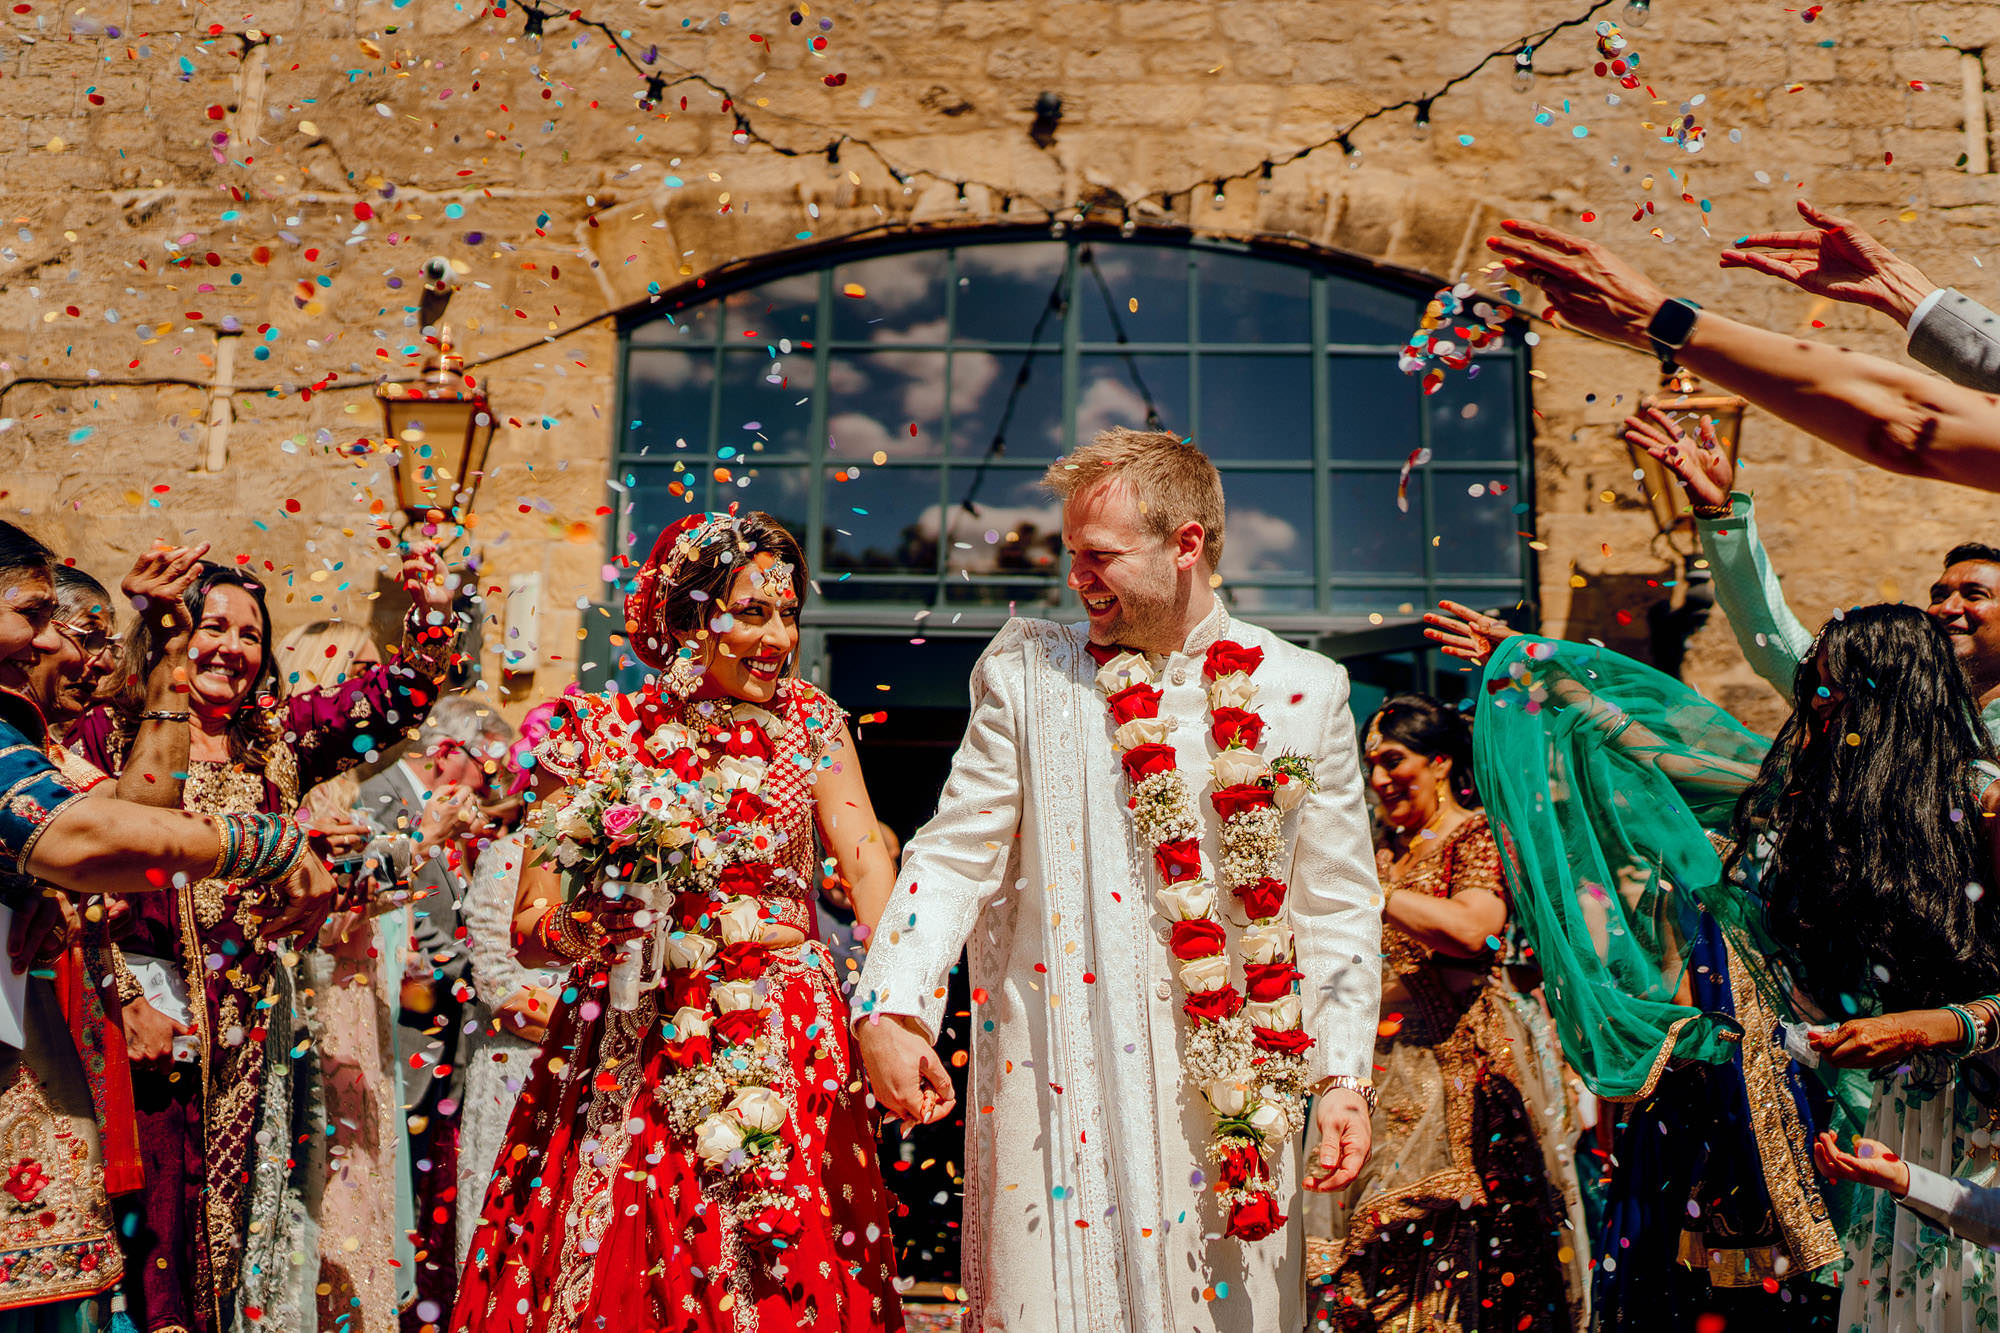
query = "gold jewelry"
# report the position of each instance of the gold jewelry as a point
(1723, 510)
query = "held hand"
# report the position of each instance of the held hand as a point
(1466, 633)
(904, 1073)
(158, 580)
(301, 902)
(526, 1013)
(1590, 288)
(1705, 471)
(621, 918)
(340, 837)
(1868, 1043)
(41, 931)
(1344, 1139)
(1871, 1163)
(426, 579)
(1837, 259)
(149, 1035)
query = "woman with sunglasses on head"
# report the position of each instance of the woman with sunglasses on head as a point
(705, 1160)
(224, 1220)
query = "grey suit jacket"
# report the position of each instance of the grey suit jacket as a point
(1959, 339)
(391, 802)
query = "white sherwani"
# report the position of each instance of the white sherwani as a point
(1086, 1209)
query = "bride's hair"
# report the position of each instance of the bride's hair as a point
(688, 597)
(1879, 885)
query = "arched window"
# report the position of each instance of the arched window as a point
(896, 405)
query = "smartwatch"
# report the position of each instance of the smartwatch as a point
(1669, 329)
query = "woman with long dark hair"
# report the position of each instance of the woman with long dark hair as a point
(1457, 1220)
(223, 1221)
(701, 1161)
(1831, 958)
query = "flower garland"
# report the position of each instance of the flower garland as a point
(1245, 1051)
(686, 802)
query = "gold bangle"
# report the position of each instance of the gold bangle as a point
(1726, 509)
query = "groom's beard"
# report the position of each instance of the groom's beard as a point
(1146, 623)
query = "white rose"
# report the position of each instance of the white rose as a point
(761, 717)
(1267, 1118)
(1142, 731)
(759, 1109)
(690, 1022)
(1188, 900)
(1227, 1095)
(688, 950)
(1234, 768)
(1200, 974)
(1124, 671)
(1234, 690)
(717, 1137)
(733, 995)
(1266, 942)
(670, 738)
(734, 771)
(572, 822)
(670, 836)
(1281, 1014)
(740, 919)
(1288, 793)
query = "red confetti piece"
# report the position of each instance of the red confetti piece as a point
(362, 212)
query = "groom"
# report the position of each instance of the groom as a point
(1132, 1129)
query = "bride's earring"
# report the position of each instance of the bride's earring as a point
(684, 676)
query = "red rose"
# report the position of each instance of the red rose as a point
(775, 1224)
(1178, 860)
(745, 879)
(686, 764)
(747, 740)
(690, 1052)
(1241, 1165)
(744, 960)
(745, 807)
(1262, 900)
(1200, 938)
(1232, 801)
(1142, 761)
(761, 1177)
(685, 990)
(1266, 982)
(1231, 726)
(1134, 701)
(1225, 657)
(738, 1026)
(691, 913)
(1254, 1218)
(1212, 1006)
(1286, 1041)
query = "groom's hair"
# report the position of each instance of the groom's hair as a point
(1172, 478)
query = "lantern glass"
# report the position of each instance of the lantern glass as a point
(440, 440)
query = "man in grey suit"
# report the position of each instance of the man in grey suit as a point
(420, 809)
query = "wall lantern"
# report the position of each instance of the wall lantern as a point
(440, 426)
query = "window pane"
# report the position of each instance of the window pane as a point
(651, 504)
(986, 385)
(873, 398)
(1476, 533)
(1375, 408)
(1359, 313)
(1270, 524)
(847, 588)
(1037, 598)
(1003, 291)
(1370, 535)
(1246, 300)
(766, 405)
(1256, 407)
(882, 519)
(1472, 416)
(779, 491)
(786, 308)
(1003, 522)
(1389, 603)
(902, 298)
(1130, 391)
(1252, 599)
(1156, 278)
(667, 399)
(690, 326)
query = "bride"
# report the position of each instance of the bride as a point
(704, 1161)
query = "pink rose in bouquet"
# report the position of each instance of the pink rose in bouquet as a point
(621, 824)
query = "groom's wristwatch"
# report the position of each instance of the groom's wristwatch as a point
(1670, 328)
(1360, 1087)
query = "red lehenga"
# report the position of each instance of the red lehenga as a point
(599, 1217)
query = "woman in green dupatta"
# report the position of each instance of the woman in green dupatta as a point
(1733, 931)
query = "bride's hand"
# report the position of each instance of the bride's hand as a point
(619, 919)
(1465, 632)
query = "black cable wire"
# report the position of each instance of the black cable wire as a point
(1058, 303)
(1088, 257)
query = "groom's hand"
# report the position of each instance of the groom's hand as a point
(1343, 1141)
(904, 1072)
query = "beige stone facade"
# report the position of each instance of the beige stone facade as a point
(113, 174)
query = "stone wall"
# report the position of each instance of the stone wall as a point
(363, 137)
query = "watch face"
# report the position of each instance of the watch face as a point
(1672, 323)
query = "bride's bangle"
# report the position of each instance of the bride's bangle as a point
(562, 936)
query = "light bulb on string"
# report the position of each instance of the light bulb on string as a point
(1524, 68)
(1221, 196)
(1348, 152)
(1128, 228)
(1264, 178)
(1638, 11)
(1421, 126)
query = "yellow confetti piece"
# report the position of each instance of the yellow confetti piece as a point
(855, 290)
(307, 127)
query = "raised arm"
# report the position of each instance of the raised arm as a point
(158, 759)
(1899, 419)
(850, 832)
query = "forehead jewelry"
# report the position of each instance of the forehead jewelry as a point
(778, 579)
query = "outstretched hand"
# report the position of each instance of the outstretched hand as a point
(1706, 472)
(1589, 288)
(1835, 258)
(904, 1073)
(1871, 1163)
(1464, 632)
(157, 581)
